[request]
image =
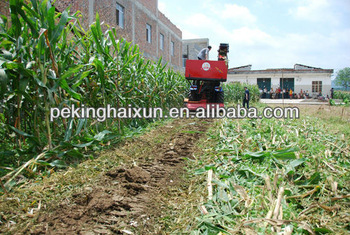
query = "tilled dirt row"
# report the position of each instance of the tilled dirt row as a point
(130, 198)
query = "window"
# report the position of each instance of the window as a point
(148, 33)
(172, 48)
(161, 41)
(317, 86)
(120, 16)
(184, 59)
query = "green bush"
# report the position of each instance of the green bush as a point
(234, 92)
(343, 95)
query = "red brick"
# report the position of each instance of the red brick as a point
(5, 8)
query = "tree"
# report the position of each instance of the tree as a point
(343, 78)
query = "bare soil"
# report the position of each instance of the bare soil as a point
(131, 198)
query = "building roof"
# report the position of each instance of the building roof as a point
(196, 40)
(242, 68)
(298, 68)
(301, 66)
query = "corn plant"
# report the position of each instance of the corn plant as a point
(343, 95)
(48, 60)
(234, 92)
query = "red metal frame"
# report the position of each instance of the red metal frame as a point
(194, 105)
(206, 70)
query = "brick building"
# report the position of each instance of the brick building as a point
(138, 21)
(5, 8)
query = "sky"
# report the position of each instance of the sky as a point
(268, 33)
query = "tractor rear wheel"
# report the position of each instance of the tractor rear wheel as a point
(190, 98)
(221, 97)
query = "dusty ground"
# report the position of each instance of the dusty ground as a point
(140, 187)
(133, 196)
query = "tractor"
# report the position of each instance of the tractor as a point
(206, 77)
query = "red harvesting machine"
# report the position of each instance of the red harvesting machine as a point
(206, 77)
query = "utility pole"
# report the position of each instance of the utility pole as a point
(282, 89)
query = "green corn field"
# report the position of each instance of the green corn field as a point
(48, 60)
(228, 175)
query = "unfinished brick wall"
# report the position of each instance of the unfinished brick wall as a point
(165, 52)
(141, 19)
(174, 35)
(151, 5)
(137, 13)
(126, 32)
(74, 6)
(107, 12)
(5, 8)
(142, 12)
(169, 24)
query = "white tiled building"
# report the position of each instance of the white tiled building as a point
(301, 77)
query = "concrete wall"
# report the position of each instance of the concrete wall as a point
(191, 47)
(305, 83)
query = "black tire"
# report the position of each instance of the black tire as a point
(221, 97)
(193, 96)
(190, 98)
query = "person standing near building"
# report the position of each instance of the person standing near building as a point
(204, 53)
(246, 97)
(272, 94)
(332, 93)
(278, 92)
